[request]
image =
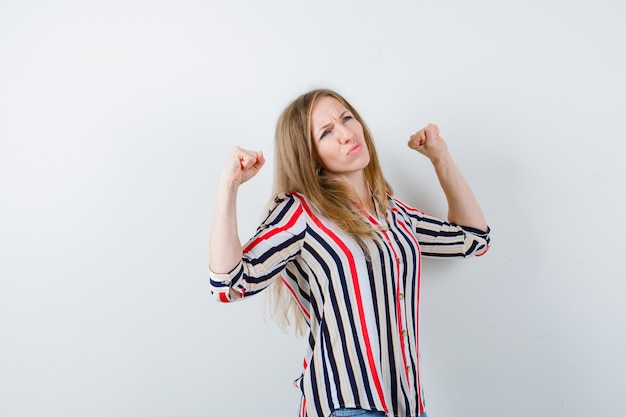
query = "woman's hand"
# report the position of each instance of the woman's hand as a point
(242, 165)
(428, 142)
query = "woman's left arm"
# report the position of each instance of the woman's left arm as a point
(463, 208)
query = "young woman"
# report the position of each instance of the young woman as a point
(346, 251)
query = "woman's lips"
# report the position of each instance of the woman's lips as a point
(356, 148)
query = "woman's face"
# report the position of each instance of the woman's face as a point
(339, 139)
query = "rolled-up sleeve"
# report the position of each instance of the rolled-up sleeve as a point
(440, 238)
(222, 287)
(277, 241)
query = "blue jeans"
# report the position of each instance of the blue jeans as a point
(350, 412)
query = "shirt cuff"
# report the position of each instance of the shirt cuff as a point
(222, 284)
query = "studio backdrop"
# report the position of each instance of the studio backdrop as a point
(116, 118)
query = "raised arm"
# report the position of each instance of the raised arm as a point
(463, 208)
(225, 249)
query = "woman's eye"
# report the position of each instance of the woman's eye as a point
(345, 119)
(324, 134)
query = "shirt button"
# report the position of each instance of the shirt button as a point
(399, 260)
(401, 296)
(405, 333)
(408, 368)
(227, 283)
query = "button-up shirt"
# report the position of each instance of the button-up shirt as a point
(359, 299)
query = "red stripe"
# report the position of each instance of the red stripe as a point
(276, 230)
(223, 298)
(303, 407)
(293, 294)
(357, 290)
(483, 252)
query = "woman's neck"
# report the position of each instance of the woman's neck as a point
(364, 195)
(361, 188)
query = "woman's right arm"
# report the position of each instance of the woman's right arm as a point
(225, 250)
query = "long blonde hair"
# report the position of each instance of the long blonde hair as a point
(296, 159)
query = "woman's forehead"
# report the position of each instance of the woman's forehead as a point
(326, 108)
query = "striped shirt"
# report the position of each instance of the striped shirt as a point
(360, 301)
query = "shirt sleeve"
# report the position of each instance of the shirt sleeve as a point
(277, 241)
(440, 238)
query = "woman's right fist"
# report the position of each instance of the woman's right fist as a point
(242, 165)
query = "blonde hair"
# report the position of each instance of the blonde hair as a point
(295, 162)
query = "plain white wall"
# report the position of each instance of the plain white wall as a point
(115, 120)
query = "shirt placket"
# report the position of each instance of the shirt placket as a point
(406, 373)
(401, 308)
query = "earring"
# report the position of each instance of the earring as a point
(318, 171)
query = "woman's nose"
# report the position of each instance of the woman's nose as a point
(344, 134)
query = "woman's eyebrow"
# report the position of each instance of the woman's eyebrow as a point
(324, 127)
